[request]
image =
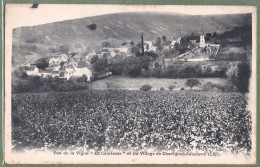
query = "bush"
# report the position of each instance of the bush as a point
(192, 82)
(171, 87)
(162, 88)
(146, 88)
(208, 86)
(217, 87)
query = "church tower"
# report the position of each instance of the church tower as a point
(202, 41)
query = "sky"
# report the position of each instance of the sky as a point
(18, 15)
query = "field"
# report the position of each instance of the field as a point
(131, 120)
(124, 82)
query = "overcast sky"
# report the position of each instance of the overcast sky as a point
(18, 15)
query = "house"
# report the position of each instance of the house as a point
(77, 57)
(104, 50)
(178, 40)
(42, 73)
(32, 70)
(55, 67)
(55, 73)
(48, 72)
(72, 62)
(54, 60)
(97, 52)
(63, 58)
(80, 72)
(108, 57)
(148, 46)
(113, 53)
(64, 75)
(82, 64)
(172, 44)
(24, 68)
(123, 49)
(24, 65)
(69, 68)
(111, 49)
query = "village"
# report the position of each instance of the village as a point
(65, 66)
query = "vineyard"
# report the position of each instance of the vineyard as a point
(131, 120)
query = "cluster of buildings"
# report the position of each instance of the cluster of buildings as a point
(117, 53)
(111, 54)
(62, 66)
(65, 67)
(203, 51)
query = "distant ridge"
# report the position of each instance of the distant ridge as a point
(118, 28)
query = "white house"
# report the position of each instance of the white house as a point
(112, 53)
(148, 46)
(123, 49)
(69, 68)
(63, 57)
(32, 70)
(55, 60)
(79, 72)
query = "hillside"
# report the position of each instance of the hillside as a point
(89, 33)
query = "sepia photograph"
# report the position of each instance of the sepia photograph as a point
(130, 84)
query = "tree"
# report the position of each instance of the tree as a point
(151, 54)
(117, 68)
(137, 50)
(214, 35)
(132, 43)
(100, 65)
(146, 88)
(164, 38)
(208, 35)
(83, 79)
(158, 43)
(92, 26)
(243, 77)
(232, 73)
(162, 88)
(42, 63)
(19, 73)
(94, 59)
(124, 44)
(192, 82)
(157, 65)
